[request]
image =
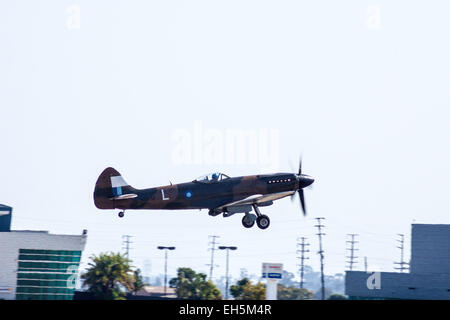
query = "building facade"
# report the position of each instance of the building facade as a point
(37, 265)
(429, 275)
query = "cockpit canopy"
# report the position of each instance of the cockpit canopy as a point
(212, 177)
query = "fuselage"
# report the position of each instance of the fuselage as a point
(206, 195)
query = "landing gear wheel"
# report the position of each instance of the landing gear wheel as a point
(248, 221)
(263, 222)
(121, 214)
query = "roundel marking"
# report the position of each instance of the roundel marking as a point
(188, 194)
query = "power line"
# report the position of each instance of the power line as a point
(320, 234)
(403, 265)
(126, 245)
(302, 258)
(213, 248)
(351, 259)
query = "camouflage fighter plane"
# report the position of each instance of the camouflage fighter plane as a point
(217, 192)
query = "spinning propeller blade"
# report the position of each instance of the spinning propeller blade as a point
(303, 181)
(302, 201)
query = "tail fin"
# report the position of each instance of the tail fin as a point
(110, 186)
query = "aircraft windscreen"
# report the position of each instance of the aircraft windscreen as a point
(212, 177)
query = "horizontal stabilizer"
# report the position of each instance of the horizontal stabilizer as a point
(124, 196)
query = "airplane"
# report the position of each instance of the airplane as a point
(216, 192)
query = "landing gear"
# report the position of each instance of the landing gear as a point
(262, 221)
(248, 220)
(121, 214)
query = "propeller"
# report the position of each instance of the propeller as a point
(302, 201)
(303, 181)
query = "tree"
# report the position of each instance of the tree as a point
(192, 285)
(138, 282)
(293, 293)
(237, 289)
(318, 294)
(107, 275)
(245, 290)
(288, 279)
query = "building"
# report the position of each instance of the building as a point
(146, 293)
(37, 265)
(157, 292)
(5, 218)
(429, 275)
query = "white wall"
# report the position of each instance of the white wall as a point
(11, 242)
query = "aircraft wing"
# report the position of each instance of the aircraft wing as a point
(258, 198)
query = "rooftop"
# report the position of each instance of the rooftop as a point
(157, 291)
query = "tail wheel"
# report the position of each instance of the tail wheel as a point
(247, 221)
(121, 214)
(263, 222)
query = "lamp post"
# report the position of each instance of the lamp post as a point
(228, 249)
(165, 265)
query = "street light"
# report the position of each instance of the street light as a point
(165, 265)
(228, 249)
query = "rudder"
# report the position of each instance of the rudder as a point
(109, 185)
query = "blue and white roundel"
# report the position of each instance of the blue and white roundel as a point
(188, 194)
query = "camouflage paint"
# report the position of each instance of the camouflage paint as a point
(190, 195)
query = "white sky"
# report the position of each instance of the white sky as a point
(361, 88)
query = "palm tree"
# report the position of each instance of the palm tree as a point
(107, 275)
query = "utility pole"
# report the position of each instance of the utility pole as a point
(226, 285)
(302, 258)
(401, 247)
(126, 245)
(165, 265)
(352, 257)
(213, 248)
(320, 234)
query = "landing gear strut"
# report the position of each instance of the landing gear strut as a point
(262, 221)
(121, 214)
